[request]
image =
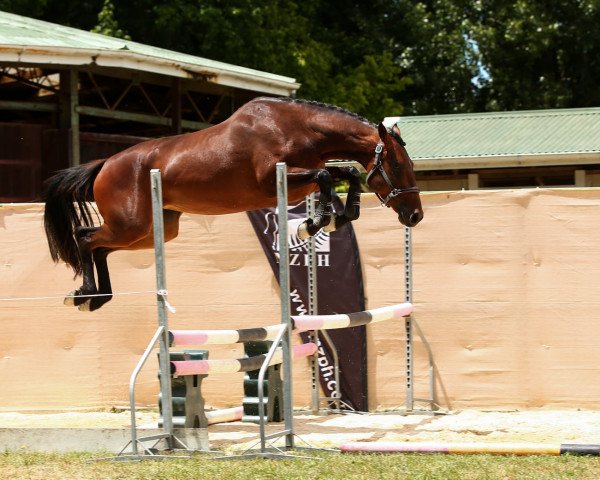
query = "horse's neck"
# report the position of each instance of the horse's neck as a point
(349, 140)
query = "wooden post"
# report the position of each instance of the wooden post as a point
(176, 106)
(69, 116)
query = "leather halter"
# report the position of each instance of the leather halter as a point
(394, 192)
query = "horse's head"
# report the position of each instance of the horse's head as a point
(392, 177)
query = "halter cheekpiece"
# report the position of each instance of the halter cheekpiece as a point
(378, 167)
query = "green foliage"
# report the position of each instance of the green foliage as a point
(540, 54)
(107, 25)
(377, 58)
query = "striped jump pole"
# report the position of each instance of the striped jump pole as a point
(300, 323)
(180, 338)
(303, 323)
(507, 448)
(206, 367)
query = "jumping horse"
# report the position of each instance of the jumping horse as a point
(227, 168)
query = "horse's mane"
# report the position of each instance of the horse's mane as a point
(326, 106)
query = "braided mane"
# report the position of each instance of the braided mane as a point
(326, 106)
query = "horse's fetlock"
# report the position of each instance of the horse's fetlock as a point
(302, 231)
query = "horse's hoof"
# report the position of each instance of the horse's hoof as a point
(85, 306)
(303, 231)
(69, 300)
(330, 228)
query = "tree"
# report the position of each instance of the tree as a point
(539, 53)
(440, 58)
(379, 57)
(107, 25)
(278, 36)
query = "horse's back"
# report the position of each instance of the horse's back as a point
(226, 168)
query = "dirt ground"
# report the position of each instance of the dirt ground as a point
(331, 430)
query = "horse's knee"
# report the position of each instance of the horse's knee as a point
(352, 173)
(325, 181)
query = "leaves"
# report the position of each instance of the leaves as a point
(377, 58)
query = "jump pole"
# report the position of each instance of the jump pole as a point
(161, 288)
(284, 290)
(408, 320)
(507, 448)
(285, 336)
(162, 337)
(162, 310)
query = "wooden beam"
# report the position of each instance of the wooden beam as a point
(29, 106)
(138, 117)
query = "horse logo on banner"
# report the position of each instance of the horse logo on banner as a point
(297, 246)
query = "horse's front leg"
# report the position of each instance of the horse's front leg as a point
(82, 296)
(352, 208)
(322, 216)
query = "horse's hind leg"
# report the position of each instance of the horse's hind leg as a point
(104, 294)
(82, 295)
(103, 240)
(94, 244)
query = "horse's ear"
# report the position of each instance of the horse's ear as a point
(383, 131)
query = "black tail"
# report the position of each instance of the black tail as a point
(67, 194)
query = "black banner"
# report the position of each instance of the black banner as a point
(339, 290)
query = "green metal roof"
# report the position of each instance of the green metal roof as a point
(29, 41)
(519, 138)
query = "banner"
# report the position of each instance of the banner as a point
(339, 290)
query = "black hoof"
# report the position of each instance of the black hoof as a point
(96, 302)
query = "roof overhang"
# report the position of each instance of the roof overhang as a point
(218, 73)
(507, 161)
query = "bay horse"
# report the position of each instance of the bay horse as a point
(227, 168)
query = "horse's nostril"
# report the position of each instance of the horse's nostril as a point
(416, 217)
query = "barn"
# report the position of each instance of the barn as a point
(68, 96)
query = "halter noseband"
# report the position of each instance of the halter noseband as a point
(394, 192)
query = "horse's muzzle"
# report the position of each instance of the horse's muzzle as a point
(412, 219)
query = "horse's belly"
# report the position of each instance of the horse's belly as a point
(205, 202)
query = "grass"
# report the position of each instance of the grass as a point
(330, 466)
